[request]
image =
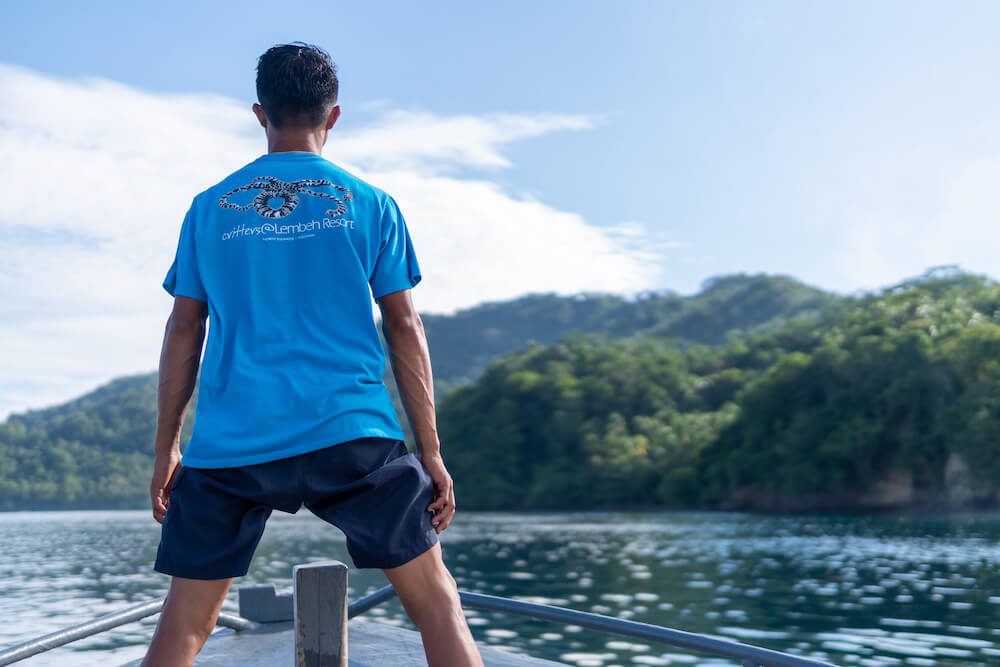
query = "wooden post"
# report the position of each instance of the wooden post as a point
(320, 591)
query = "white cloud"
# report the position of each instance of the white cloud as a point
(425, 141)
(97, 177)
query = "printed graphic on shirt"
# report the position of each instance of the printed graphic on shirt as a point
(278, 199)
(287, 193)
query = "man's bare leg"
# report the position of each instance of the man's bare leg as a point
(430, 598)
(189, 614)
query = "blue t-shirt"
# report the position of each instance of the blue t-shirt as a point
(288, 252)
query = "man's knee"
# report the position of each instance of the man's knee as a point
(437, 604)
(202, 630)
(426, 589)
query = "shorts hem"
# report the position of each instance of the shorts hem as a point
(176, 572)
(430, 538)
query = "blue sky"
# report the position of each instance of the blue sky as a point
(559, 146)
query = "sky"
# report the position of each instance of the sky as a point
(533, 147)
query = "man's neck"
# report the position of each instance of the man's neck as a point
(303, 142)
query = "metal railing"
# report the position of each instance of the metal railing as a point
(747, 655)
(260, 604)
(124, 616)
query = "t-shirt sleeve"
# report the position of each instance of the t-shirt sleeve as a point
(183, 278)
(396, 266)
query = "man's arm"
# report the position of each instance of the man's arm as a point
(410, 359)
(180, 357)
(411, 366)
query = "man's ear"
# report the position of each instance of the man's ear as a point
(259, 112)
(333, 116)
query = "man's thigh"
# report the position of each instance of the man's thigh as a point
(196, 602)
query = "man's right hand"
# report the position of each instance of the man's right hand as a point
(165, 469)
(443, 504)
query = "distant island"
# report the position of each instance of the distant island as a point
(757, 393)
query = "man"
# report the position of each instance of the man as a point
(284, 256)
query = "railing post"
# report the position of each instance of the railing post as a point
(320, 592)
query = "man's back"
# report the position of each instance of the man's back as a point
(288, 251)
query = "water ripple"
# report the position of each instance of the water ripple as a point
(889, 590)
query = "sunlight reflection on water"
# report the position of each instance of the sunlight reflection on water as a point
(915, 590)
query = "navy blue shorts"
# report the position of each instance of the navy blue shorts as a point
(372, 489)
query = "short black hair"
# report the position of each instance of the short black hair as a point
(296, 84)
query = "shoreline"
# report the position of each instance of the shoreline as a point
(904, 512)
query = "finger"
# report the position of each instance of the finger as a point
(439, 503)
(445, 490)
(444, 507)
(443, 518)
(443, 524)
(440, 507)
(443, 502)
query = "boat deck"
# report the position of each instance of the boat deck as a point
(370, 644)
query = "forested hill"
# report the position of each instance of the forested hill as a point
(892, 402)
(95, 451)
(756, 392)
(463, 343)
